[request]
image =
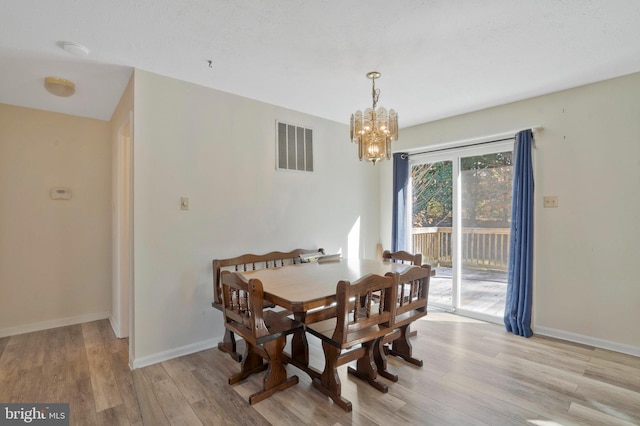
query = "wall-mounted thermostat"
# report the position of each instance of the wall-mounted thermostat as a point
(60, 193)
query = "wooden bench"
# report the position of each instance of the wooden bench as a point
(408, 259)
(360, 320)
(411, 305)
(248, 262)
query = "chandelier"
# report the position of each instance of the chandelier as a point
(374, 129)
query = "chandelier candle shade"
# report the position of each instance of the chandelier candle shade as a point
(374, 129)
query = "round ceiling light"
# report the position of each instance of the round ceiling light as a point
(59, 86)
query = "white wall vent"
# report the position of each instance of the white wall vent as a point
(294, 147)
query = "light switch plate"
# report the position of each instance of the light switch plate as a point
(550, 201)
(184, 203)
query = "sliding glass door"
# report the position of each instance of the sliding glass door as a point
(461, 212)
(432, 216)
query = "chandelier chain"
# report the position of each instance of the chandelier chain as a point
(375, 94)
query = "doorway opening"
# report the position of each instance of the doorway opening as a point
(123, 253)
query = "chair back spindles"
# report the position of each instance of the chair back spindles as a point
(414, 293)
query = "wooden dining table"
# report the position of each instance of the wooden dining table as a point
(307, 287)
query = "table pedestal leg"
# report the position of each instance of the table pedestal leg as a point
(380, 357)
(300, 350)
(299, 346)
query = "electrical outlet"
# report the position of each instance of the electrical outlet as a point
(550, 201)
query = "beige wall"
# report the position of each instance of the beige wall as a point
(586, 251)
(219, 150)
(55, 260)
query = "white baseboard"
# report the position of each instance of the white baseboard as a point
(115, 325)
(174, 353)
(587, 340)
(45, 325)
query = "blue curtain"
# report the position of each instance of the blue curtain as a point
(517, 311)
(400, 188)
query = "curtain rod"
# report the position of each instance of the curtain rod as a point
(498, 137)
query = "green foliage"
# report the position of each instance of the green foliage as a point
(432, 194)
(486, 192)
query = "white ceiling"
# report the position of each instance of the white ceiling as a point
(438, 58)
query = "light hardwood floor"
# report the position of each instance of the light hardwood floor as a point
(474, 374)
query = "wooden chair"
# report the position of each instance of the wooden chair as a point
(265, 333)
(248, 262)
(411, 304)
(360, 321)
(406, 258)
(402, 257)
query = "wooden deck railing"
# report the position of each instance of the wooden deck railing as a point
(484, 248)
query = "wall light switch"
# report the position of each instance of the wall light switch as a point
(184, 203)
(550, 201)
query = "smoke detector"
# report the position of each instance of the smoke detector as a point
(75, 49)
